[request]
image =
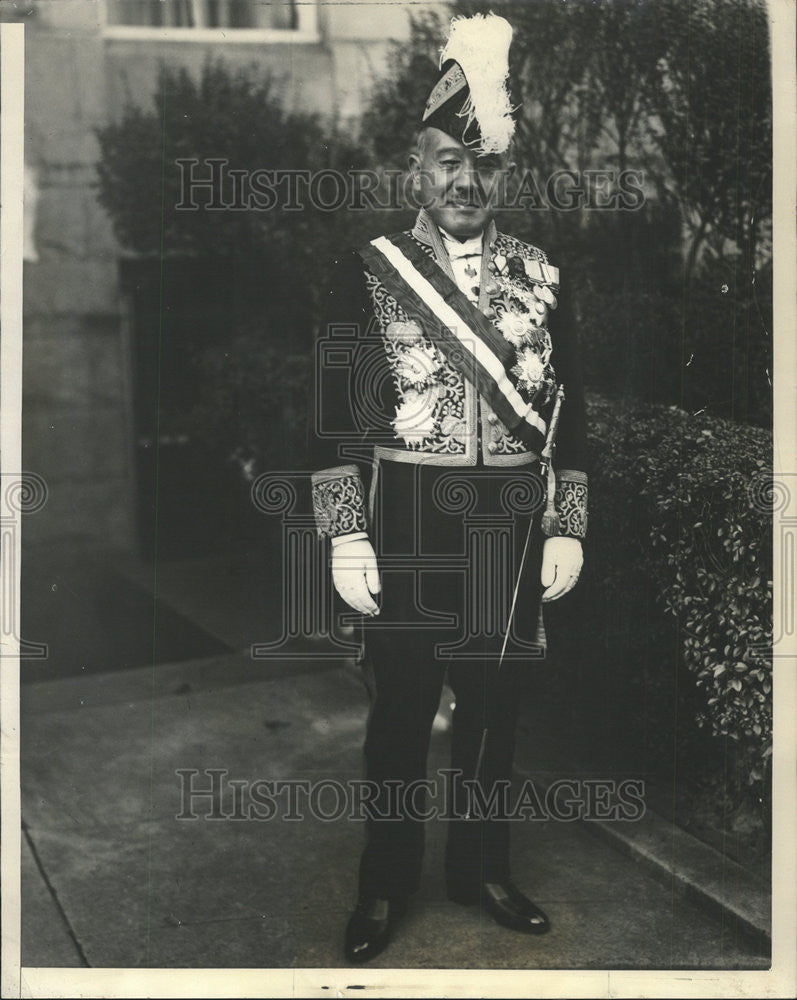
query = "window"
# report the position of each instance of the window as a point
(222, 20)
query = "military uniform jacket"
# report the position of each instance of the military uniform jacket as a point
(384, 392)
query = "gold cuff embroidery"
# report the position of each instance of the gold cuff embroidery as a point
(338, 501)
(570, 501)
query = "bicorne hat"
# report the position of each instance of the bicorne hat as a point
(470, 100)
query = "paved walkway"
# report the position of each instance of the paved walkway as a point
(112, 878)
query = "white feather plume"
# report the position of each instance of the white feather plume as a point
(480, 44)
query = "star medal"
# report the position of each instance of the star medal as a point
(529, 370)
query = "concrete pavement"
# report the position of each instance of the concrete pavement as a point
(112, 878)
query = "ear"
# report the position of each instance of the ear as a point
(414, 163)
(510, 169)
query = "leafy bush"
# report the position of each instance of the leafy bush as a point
(679, 573)
(711, 555)
(234, 115)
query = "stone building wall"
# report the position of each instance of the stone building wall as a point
(75, 412)
(77, 419)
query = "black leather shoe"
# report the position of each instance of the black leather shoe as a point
(506, 904)
(370, 927)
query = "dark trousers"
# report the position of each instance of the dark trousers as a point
(405, 668)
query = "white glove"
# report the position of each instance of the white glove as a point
(562, 559)
(355, 575)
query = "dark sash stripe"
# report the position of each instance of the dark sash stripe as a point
(439, 333)
(457, 300)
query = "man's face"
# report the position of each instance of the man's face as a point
(456, 188)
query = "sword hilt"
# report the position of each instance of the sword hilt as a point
(550, 442)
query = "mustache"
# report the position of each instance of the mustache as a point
(470, 201)
(475, 197)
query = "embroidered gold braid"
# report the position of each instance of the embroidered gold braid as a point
(446, 433)
(339, 505)
(447, 428)
(570, 500)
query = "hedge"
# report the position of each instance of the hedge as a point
(677, 590)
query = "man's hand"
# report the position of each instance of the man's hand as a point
(562, 559)
(355, 575)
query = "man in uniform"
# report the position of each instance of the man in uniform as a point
(452, 400)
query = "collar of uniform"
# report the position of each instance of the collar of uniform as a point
(425, 231)
(462, 248)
